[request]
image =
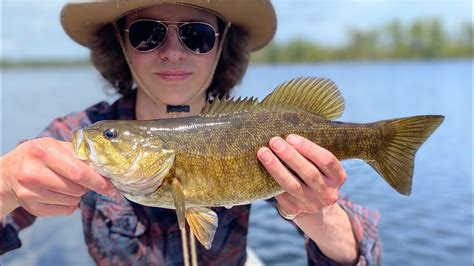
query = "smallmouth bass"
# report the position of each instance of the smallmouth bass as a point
(192, 163)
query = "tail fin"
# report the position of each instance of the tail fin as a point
(395, 163)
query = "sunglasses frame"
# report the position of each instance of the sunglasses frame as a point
(177, 25)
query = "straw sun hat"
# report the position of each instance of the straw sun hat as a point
(81, 20)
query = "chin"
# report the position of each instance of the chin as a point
(174, 94)
(176, 99)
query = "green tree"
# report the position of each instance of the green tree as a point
(363, 44)
(436, 40)
(396, 41)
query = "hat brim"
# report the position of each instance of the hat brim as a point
(81, 21)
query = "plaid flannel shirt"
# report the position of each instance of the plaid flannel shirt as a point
(120, 232)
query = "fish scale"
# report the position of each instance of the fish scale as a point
(193, 163)
(236, 176)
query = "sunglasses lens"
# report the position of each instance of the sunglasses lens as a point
(146, 35)
(198, 37)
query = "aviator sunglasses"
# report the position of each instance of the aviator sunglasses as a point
(146, 35)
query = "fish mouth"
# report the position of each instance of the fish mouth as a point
(128, 181)
(81, 149)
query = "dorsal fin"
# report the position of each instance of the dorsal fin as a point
(314, 95)
(228, 106)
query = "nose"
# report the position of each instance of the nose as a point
(172, 50)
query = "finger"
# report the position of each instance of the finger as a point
(50, 180)
(67, 145)
(305, 169)
(42, 195)
(289, 204)
(281, 174)
(326, 162)
(319, 193)
(55, 198)
(62, 162)
(43, 209)
(67, 187)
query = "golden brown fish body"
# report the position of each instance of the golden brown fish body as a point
(192, 163)
(216, 156)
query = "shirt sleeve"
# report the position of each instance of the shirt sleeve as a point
(19, 219)
(364, 225)
(62, 128)
(10, 226)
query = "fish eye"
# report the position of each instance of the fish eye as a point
(110, 133)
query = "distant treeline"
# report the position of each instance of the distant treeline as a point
(39, 63)
(422, 39)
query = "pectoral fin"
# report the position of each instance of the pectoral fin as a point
(203, 224)
(179, 202)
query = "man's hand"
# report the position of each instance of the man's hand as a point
(310, 174)
(311, 177)
(42, 176)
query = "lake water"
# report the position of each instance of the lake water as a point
(433, 226)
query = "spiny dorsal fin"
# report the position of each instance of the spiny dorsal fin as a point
(229, 106)
(314, 95)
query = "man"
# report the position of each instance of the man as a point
(163, 56)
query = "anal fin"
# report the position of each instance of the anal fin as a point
(203, 224)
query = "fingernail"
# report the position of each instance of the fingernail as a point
(265, 156)
(293, 139)
(277, 144)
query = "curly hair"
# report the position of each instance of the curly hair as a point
(107, 57)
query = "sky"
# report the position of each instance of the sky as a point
(30, 29)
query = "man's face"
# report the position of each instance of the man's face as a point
(172, 73)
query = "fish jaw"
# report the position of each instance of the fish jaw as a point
(81, 149)
(144, 172)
